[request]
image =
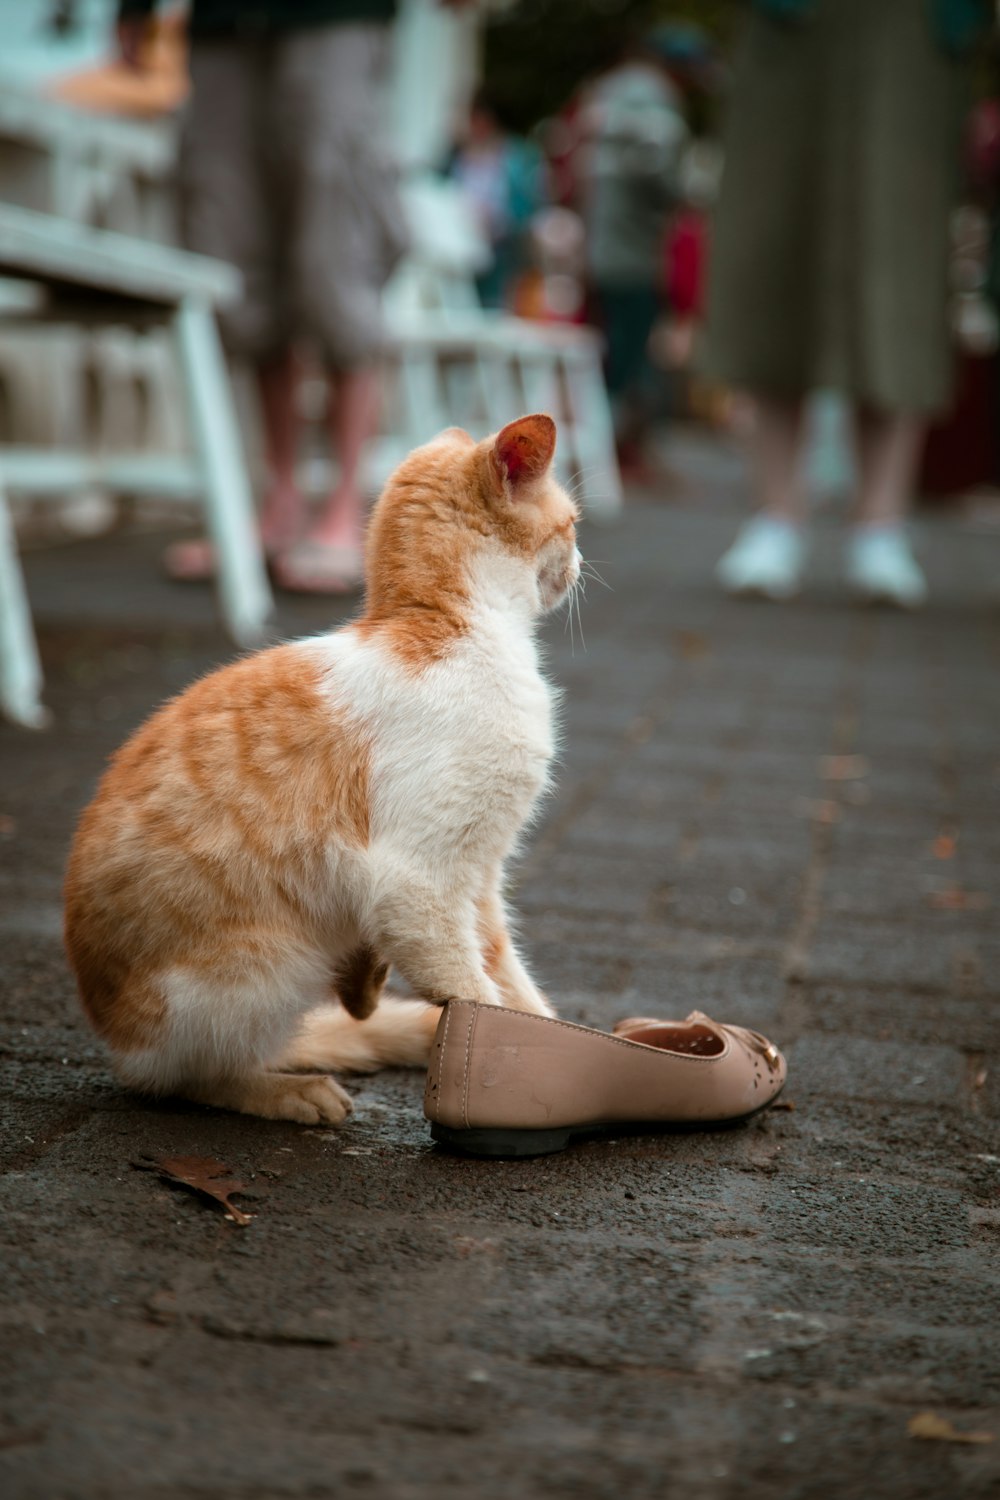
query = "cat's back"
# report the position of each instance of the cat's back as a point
(250, 758)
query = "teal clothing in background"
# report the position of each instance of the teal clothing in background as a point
(505, 186)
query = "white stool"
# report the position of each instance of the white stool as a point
(66, 272)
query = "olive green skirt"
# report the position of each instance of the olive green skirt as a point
(829, 255)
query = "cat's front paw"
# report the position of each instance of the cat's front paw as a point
(310, 1099)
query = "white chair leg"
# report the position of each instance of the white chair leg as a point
(539, 370)
(244, 594)
(541, 381)
(594, 435)
(20, 666)
(505, 401)
(424, 409)
(461, 392)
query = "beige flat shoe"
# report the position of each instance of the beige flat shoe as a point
(503, 1083)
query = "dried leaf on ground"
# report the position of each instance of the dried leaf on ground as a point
(467, 1245)
(690, 646)
(784, 1104)
(202, 1174)
(824, 813)
(844, 767)
(927, 1424)
(640, 730)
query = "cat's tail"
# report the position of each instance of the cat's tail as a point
(398, 1033)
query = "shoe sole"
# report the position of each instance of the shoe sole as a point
(506, 1142)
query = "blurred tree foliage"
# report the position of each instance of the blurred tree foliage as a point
(535, 52)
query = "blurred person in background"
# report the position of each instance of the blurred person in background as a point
(502, 177)
(829, 263)
(551, 289)
(685, 265)
(282, 175)
(632, 124)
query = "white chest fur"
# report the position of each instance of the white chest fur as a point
(459, 751)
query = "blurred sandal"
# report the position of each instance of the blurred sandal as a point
(194, 561)
(315, 567)
(505, 1083)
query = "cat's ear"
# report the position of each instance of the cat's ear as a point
(459, 435)
(522, 451)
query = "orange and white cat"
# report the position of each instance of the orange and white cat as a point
(271, 841)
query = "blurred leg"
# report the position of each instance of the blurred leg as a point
(339, 249)
(353, 419)
(775, 447)
(226, 212)
(629, 315)
(880, 564)
(225, 203)
(283, 512)
(768, 555)
(888, 453)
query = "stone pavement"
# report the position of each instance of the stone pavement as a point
(784, 816)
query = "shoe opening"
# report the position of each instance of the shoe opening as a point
(693, 1041)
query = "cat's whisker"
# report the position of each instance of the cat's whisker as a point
(586, 471)
(587, 570)
(579, 480)
(568, 626)
(579, 618)
(573, 606)
(572, 602)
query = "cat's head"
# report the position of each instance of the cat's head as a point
(461, 520)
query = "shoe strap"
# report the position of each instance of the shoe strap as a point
(752, 1039)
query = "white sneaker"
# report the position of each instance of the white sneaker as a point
(881, 569)
(766, 558)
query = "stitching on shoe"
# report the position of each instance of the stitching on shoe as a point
(440, 1059)
(468, 1064)
(608, 1036)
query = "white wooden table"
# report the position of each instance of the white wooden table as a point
(78, 275)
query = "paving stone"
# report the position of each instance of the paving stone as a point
(856, 1068)
(966, 1024)
(863, 953)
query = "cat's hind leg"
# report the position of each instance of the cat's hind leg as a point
(361, 1034)
(225, 1017)
(398, 1034)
